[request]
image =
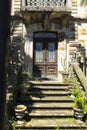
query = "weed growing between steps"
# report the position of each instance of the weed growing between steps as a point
(69, 120)
(57, 128)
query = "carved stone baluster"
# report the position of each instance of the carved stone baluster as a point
(39, 2)
(55, 2)
(31, 2)
(45, 2)
(23, 3)
(68, 3)
(63, 2)
(59, 2)
(50, 2)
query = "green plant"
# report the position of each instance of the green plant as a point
(68, 80)
(83, 3)
(26, 74)
(57, 128)
(74, 80)
(12, 125)
(79, 58)
(85, 109)
(80, 108)
(79, 102)
(76, 91)
(80, 99)
(64, 65)
(71, 120)
(25, 85)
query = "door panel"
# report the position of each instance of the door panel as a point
(51, 70)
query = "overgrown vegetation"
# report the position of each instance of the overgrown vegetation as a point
(17, 77)
(64, 65)
(78, 93)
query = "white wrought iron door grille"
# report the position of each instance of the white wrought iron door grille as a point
(45, 3)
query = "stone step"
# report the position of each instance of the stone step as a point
(59, 88)
(49, 93)
(51, 105)
(52, 124)
(50, 113)
(51, 99)
(45, 99)
(48, 83)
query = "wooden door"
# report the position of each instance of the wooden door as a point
(45, 57)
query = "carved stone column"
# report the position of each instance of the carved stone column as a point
(28, 48)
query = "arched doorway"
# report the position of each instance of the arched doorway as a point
(45, 54)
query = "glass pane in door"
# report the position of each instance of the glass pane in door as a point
(39, 52)
(51, 52)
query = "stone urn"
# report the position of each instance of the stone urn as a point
(20, 111)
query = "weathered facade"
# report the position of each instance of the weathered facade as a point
(48, 31)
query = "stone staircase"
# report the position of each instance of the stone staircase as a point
(50, 107)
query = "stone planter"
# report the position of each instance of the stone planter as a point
(78, 113)
(20, 111)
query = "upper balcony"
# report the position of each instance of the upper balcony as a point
(46, 5)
